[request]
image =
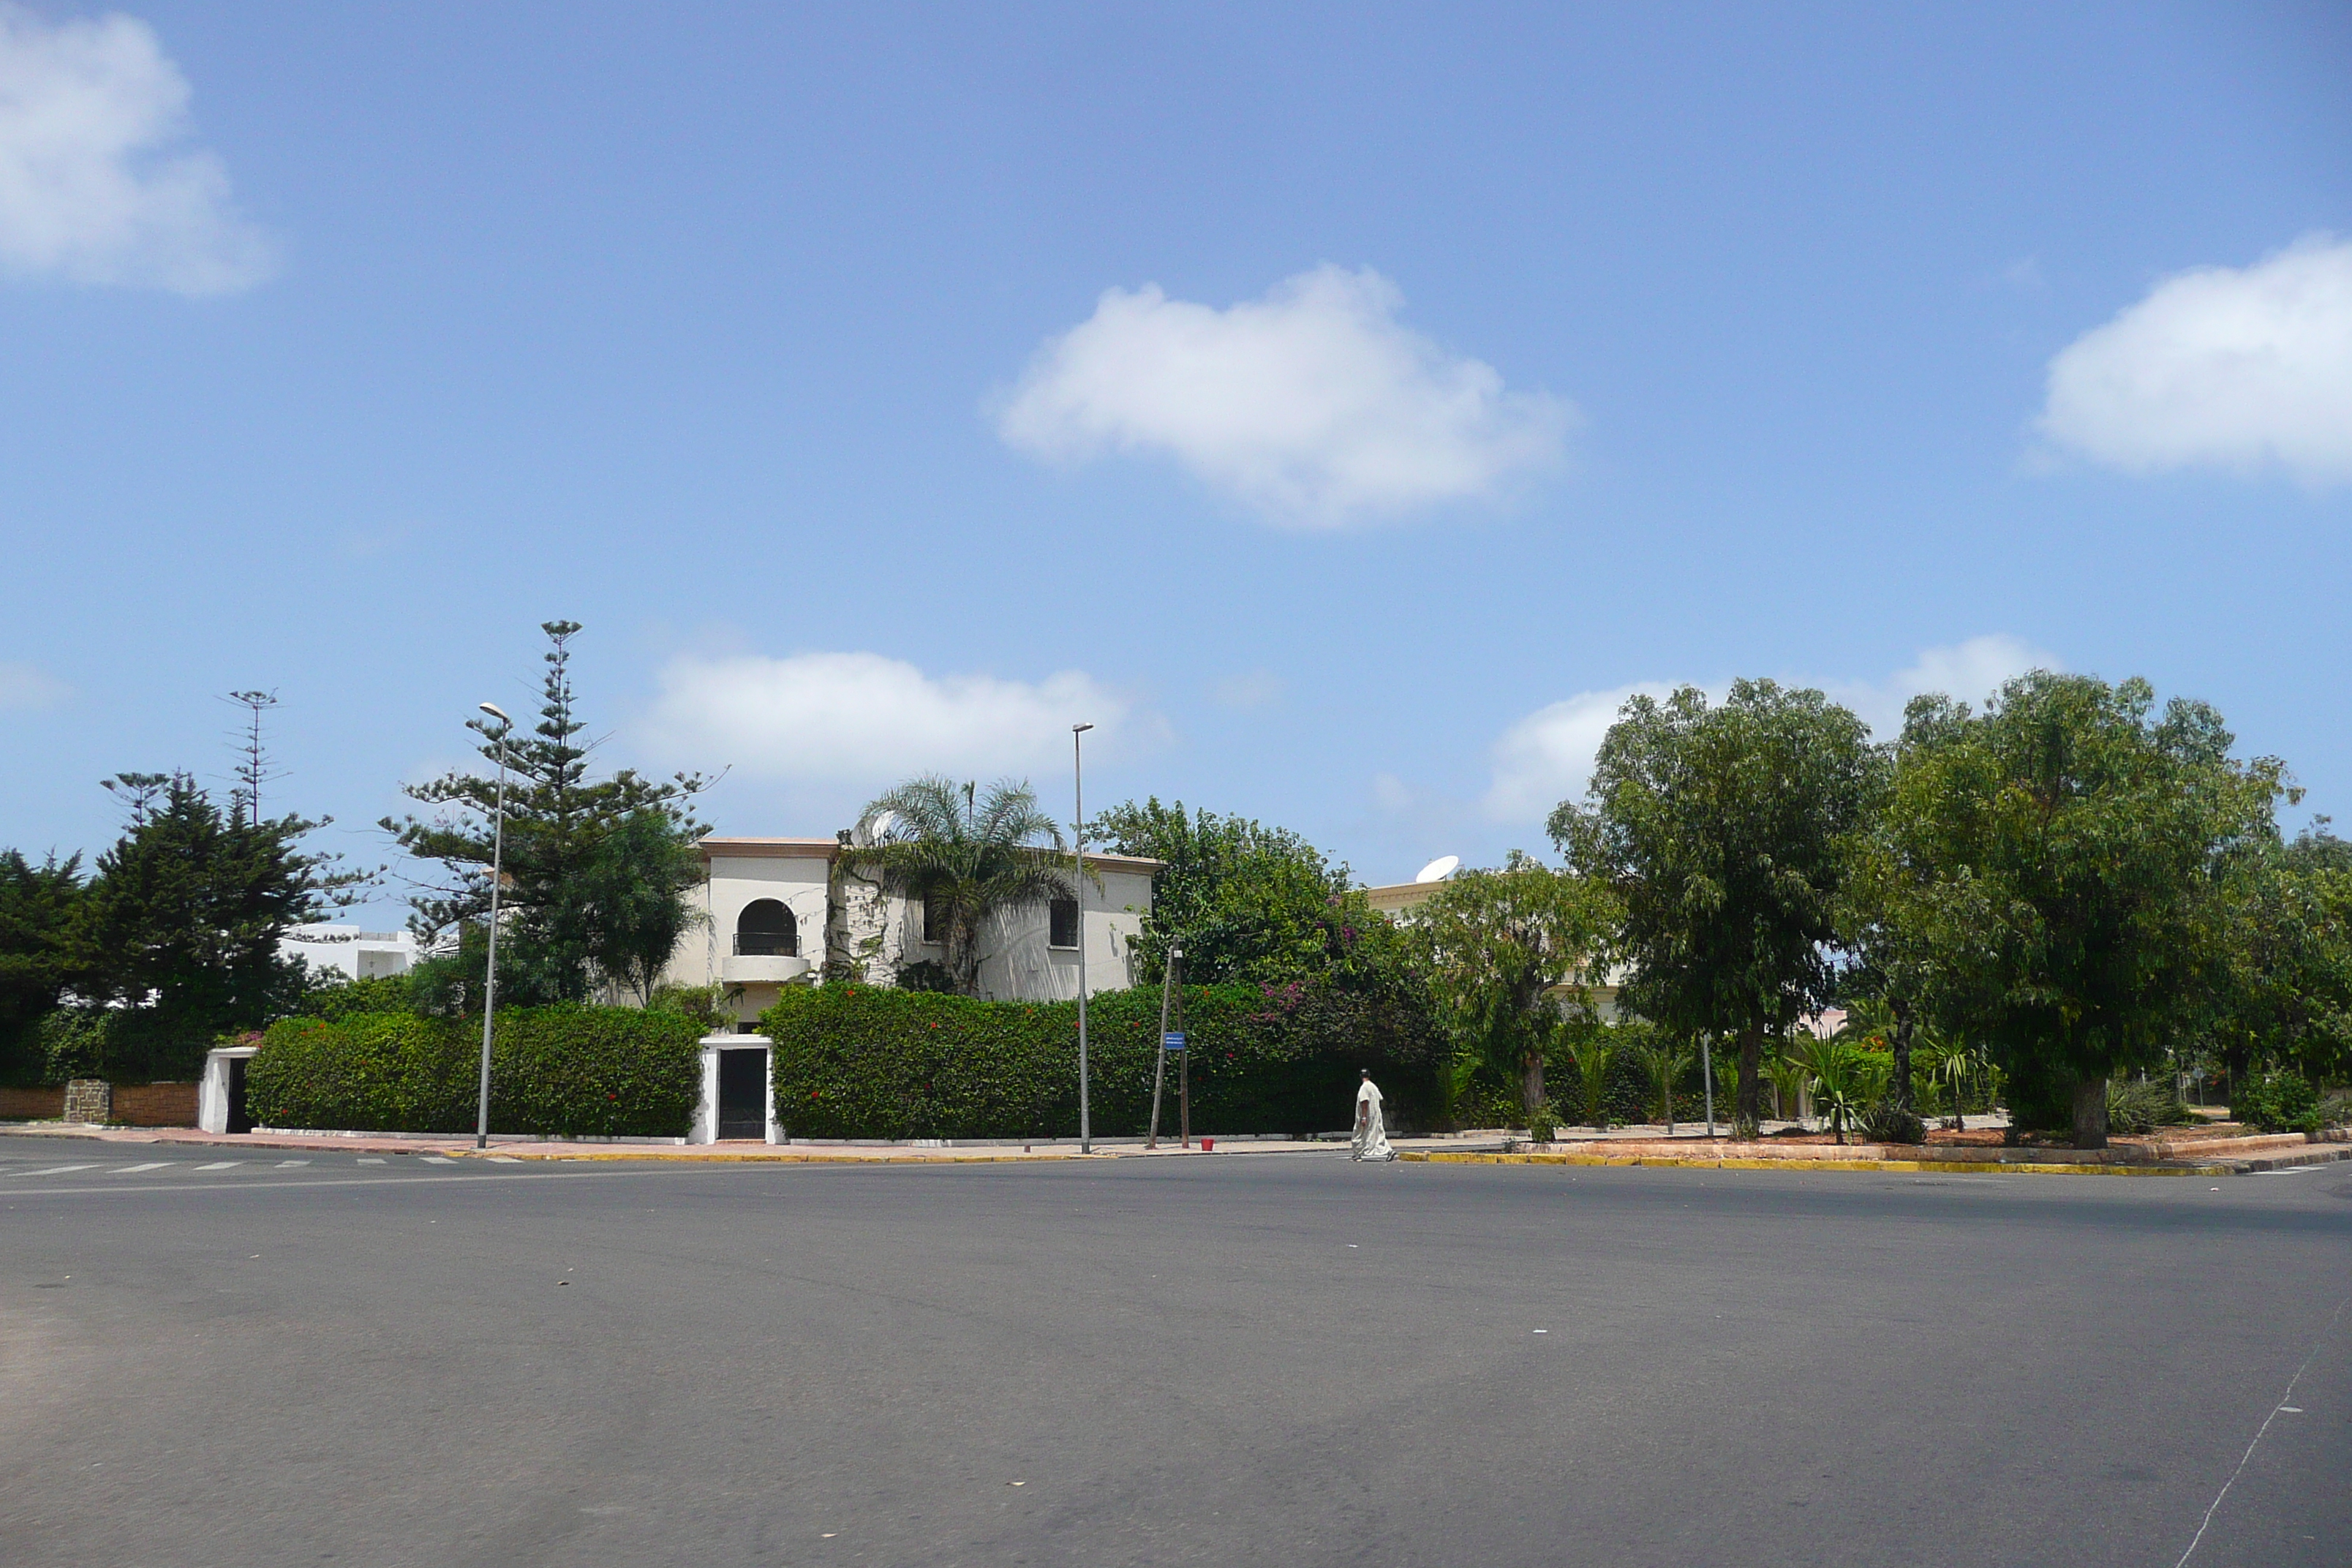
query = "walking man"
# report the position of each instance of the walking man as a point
(1371, 1138)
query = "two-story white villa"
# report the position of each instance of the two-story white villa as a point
(770, 902)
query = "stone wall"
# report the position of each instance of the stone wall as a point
(89, 1099)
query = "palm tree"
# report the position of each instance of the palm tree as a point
(969, 859)
(1663, 1063)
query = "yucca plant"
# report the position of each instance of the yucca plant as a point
(1841, 1075)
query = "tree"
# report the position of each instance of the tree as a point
(181, 919)
(624, 910)
(1243, 900)
(40, 907)
(1722, 831)
(1505, 950)
(557, 821)
(970, 861)
(2078, 854)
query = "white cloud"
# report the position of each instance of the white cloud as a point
(1313, 405)
(862, 719)
(25, 687)
(96, 183)
(1970, 671)
(1546, 757)
(2239, 368)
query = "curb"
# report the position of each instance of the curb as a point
(1966, 1167)
(734, 1157)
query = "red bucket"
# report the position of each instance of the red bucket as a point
(1207, 1144)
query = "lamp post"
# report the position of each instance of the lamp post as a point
(1078, 838)
(490, 976)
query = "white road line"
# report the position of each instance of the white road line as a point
(366, 1160)
(289, 1165)
(2206, 1522)
(504, 1160)
(60, 1170)
(135, 1169)
(437, 1159)
(220, 1165)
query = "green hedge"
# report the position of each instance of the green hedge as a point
(862, 1061)
(569, 1070)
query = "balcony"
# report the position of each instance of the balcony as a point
(740, 968)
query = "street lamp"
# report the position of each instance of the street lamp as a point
(1079, 800)
(491, 978)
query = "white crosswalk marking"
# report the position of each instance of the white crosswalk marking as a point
(135, 1169)
(504, 1160)
(220, 1165)
(438, 1160)
(366, 1160)
(289, 1165)
(60, 1170)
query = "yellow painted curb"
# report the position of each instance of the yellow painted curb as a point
(1966, 1167)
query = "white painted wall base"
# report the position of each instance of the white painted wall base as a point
(706, 1109)
(212, 1089)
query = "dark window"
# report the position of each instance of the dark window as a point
(1062, 923)
(766, 930)
(935, 919)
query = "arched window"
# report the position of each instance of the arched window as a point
(766, 930)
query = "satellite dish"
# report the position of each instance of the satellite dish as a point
(870, 832)
(1437, 870)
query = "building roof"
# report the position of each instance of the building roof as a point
(732, 849)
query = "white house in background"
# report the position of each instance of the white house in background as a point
(766, 900)
(360, 955)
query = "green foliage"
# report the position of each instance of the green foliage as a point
(342, 997)
(2142, 1105)
(2278, 1100)
(967, 859)
(2084, 850)
(390, 1072)
(1665, 1063)
(1885, 1122)
(862, 1061)
(1723, 829)
(581, 909)
(1510, 954)
(1245, 902)
(182, 918)
(40, 905)
(562, 1070)
(2285, 990)
(706, 1005)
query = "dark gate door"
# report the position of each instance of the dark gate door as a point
(743, 1094)
(238, 1121)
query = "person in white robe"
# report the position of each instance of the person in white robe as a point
(1371, 1137)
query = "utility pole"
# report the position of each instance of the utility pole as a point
(1078, 838)
(491, 978)
(1167, 984)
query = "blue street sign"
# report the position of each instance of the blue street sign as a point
(1173, 1041)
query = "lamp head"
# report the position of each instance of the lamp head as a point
(1080, 729)
(495, 711)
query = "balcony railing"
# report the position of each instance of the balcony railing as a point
(767, 944)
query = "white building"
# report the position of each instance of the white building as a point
(769, 901)
(359, 954)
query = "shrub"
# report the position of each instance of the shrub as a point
(862, 1061)
(1883, 1121)
(565, 1069)
(607, 1072)
(2138, 1105)
(2276, 1102)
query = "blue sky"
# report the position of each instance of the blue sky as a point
(1341, 407)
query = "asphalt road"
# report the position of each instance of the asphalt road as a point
(1222, 1359)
